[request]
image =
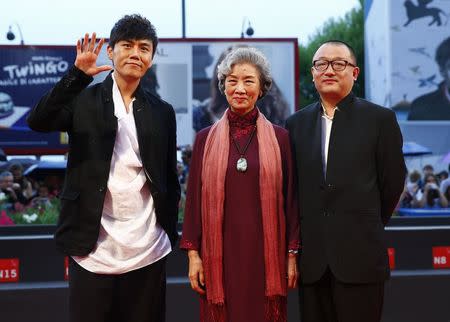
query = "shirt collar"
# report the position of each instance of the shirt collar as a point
(343, 105)
(324, 112)
(237, 120)
(119, 106)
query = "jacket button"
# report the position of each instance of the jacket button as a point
(101, 189)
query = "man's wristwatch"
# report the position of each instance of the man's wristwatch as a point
(293, 251)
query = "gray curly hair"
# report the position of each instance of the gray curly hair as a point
(242, 55)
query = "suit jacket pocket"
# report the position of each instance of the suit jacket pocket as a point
(68, 220)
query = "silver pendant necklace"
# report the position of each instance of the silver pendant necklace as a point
(241, 164)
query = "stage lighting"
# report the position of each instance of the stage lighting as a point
(10, 34)
(249, 31)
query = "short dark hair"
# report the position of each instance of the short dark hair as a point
(430, 175)
(414, 176)
(443, 173)
(443, 53)
(133, 27)
(15, 166)
(341, 43)
(5, 174)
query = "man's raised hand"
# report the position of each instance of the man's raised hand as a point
(87, 54)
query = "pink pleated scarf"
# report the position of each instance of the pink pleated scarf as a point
(214, 167)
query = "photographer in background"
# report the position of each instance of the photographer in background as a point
(445, 189)
(431, 196)
(25, 185)
(12, 191)
(445, 183)
(426, 170)
(408, 198)
(43, 197)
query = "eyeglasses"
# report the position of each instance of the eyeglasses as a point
(337, 65)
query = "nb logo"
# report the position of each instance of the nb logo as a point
(440, 260)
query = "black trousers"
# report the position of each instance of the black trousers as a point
(136, 296)
(329, 300)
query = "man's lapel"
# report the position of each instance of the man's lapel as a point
(110, 120)
(148, 127)
(317, 142)
(337, 143)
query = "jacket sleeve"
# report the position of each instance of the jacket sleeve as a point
(54, 110)
(192, 225)
(290, 194)
(391, 169)
(173, 184)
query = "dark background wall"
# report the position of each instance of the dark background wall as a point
(416, 291)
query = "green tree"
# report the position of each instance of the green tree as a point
(350, 29)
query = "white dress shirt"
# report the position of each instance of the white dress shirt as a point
(327, 123)
(129, 238)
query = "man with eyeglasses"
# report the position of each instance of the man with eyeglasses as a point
(348, 154)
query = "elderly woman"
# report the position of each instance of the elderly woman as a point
(241, 224)
(273, 105)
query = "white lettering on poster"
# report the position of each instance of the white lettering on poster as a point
(39, 70)
(440, 260)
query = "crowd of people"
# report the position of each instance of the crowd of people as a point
(19, 193)
(427, 190)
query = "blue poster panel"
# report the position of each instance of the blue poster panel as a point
(26, 72)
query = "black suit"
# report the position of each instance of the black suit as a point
(343, 213)
(87, 115)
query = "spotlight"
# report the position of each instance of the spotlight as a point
(10, 34)
(249, 31)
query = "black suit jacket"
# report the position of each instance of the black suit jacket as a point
(87, 115)
(343, 214)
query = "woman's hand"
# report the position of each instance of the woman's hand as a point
(292, 272)
(196, 275)
(87, 54)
